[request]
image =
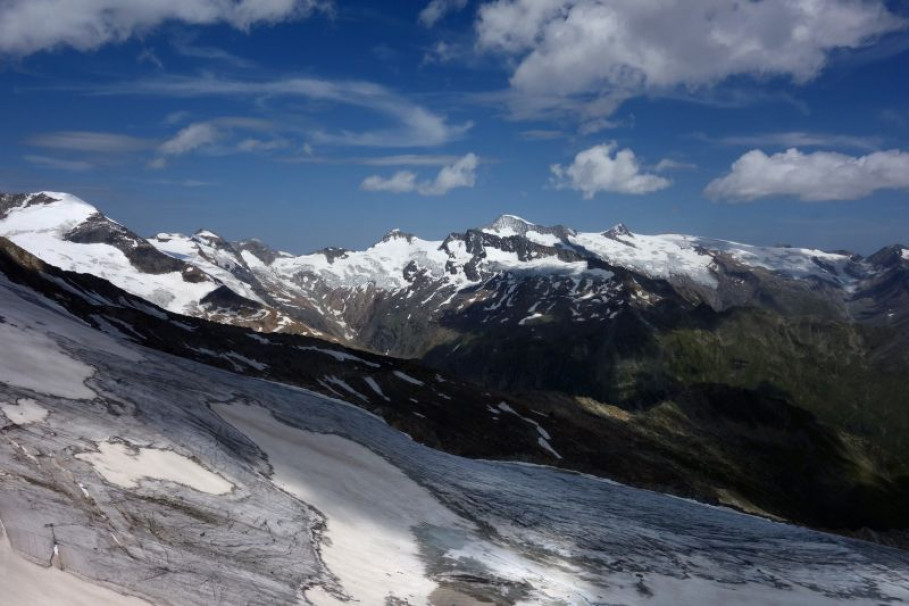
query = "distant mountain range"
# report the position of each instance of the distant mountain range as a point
(771, 379)
(131, 473)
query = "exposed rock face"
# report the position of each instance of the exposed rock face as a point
(98, 229)
(594, 327)
(256, 483)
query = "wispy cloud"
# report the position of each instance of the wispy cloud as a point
(90, 141)
(417, 126)
(408, 160)
(176, 117)
(436, 10)
(205, 134)
(543, 135)
(29, 26)
(185, 47)
(149, 56)
(669, 164)
(190, 138)
(59, 163)
(803, 139)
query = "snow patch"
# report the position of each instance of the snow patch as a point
(127, 467)
(371, 508)
(406, 377)
(24, 412)
(25, 583)
(340, 356)
(523, 321)
(375, 387)
(333, 380)
(31, 360)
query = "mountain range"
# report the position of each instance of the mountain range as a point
(694, 366)
(154, 458)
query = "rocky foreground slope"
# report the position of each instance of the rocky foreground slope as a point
(693, 366)
(133, 476)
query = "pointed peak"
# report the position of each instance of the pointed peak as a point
(890, 256)
(506, 221)
(508, 225)
(619, 229)
(9, 201)
(512, 219)
(397, 234)
(259, 250)
(206, 234)
(163, 236)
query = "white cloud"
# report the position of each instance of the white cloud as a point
(176, 117)
(416, 125)
(408, 160)
(192, 137)
(591, 127)
(438, 9)
(811, 177)
(262, 145)
(604, 169)
(89, 141)
(667, 164)
(59, 163)
(28, 26)
(148, 56)
(442, 52)
(186, 48)
(461, 173)
(543, 135)
(803, 139)
(605, 52)
(206, 134)
(401, 182)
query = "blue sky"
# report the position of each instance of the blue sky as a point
(308, 123)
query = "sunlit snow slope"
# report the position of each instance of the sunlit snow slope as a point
(176, 483)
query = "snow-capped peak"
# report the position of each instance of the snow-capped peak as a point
(397, 234)
(207, 235)
(617, 230)
(508, 225)
(44, 212)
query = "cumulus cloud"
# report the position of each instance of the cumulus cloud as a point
(461, 173)
(438, 9)
(606, 52)
(403, 181)
(811, 177)
(604, 168)
(29, 26)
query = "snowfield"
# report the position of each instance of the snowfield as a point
(510, 263)
(40, 228)
(176, 483)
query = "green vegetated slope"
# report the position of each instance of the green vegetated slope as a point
(784, 415)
